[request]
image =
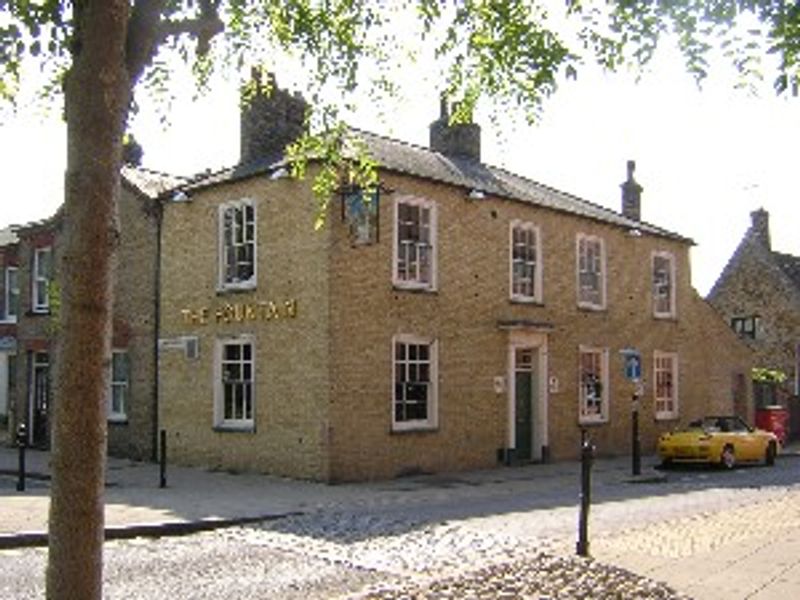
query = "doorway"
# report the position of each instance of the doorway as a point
(39, 399)
(528, 396)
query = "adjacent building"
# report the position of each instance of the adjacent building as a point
(9, 309)
(459, 317)
(758, 294)
(31, 300)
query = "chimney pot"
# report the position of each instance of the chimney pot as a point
(760, 227)
(270, 121)
(461, 140)
(631, 195)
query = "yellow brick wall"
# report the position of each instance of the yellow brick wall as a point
(324, 378)
(291, 354)
(463, 314)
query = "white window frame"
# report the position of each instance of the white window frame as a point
(123, 386)
(586, 416)
(657, 312)
(536, 264)
(658, 401)
(432, 419)
(8, 292)
(416, 282)
(223, 248)
(220, 421)
(581, 240)
(38, 304)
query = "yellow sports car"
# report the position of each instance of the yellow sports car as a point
(718, 440)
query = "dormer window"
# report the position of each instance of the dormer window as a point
(237, 245)
(746, 327)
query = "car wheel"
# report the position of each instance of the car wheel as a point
(728, 457)
(769, 457)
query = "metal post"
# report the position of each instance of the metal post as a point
(587, 454)
(636, 445)
(162, 481)
(22, 442)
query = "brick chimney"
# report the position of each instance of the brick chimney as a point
(272, 119)
(760, 227)
(631, 195)
(462, 140)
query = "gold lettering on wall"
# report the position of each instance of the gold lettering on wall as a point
(241, 312)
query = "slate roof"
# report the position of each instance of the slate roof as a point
(417, 161)
(790, 265)
(149, 182)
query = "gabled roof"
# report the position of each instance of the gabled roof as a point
(417, 161)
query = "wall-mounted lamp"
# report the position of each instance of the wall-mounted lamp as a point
(634, 232)
(279, 173)
(476, 194)
(180, 196)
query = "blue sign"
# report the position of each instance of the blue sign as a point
(633, 364)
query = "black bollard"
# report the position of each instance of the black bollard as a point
(587, 457)
(636, 444)
(162, 456)
(22, 442)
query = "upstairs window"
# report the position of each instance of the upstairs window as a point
(525, 262)
(746, 327)
(414, 404)
(663, 284)
(593, 385)
(237, 242)
(665, 388)
(415, 244)
(11, 294)
(40, 282)
(591, 267)
(120, 383)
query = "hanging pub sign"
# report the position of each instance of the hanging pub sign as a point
(240, 312)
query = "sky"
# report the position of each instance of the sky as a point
(707, 157)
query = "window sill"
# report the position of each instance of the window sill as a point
(592, 422)
(120, 420)
(38, 312)
(665, 317)
(594, 308)
(421, 428)
(235, 289)
(234, 428)
(667, 417)
(8, 321)
(524, 300)
(414, 289)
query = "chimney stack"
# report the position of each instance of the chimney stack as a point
(459, 140)
(631, 195)
(760, 227)
(270, 120)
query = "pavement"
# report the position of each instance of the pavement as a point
(766, 559)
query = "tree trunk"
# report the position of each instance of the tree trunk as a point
(97, 94)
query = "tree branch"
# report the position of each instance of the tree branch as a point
(147, 30)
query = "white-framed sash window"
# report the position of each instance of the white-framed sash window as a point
(665, 384)
(415, 389)
(663, 285)
(234, 373)
(525, 262)
(237, 245)
(40, 282)
(414, 244)
(593, 394)
(11, 295)
(591, 272)
(120, 386)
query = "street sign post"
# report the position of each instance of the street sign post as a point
(632, 365)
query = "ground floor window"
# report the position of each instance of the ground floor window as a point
(120, 383)
(593, 384)
(415, 390)
(235, 394)
(665, 387)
